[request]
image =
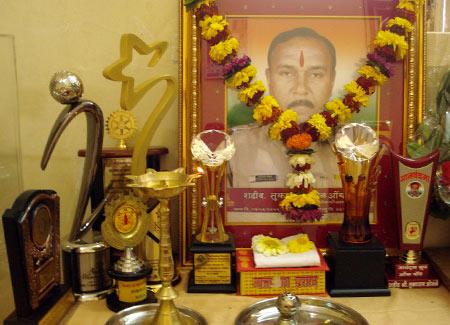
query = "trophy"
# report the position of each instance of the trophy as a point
(414, 179)
(125, 227)
(163, 186)
(357, 258)
(31, 230)
(86, 261)
(213, 249)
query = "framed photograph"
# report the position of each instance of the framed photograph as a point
(255, 179)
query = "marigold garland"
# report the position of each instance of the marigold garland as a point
(390, 45)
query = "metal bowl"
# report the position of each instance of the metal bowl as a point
(144, 314)
(312, 311)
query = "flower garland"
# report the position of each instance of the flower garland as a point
(390, 45)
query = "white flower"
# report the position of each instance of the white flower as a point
(297, 179)
(300, 160)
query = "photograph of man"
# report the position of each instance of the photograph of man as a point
(414, 189)
(301, 70)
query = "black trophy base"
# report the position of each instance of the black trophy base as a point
(52, 310)
(114, 304)
(211, 262)
(356, 270)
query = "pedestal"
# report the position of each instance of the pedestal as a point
(356, 270)
(405, 276)
(214, 267)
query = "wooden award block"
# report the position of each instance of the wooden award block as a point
(31, 230)
(356, 270)
(214, 267)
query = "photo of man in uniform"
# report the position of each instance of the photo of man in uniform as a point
(301, 70)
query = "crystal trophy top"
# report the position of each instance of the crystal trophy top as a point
(357, 142)
(212, 147)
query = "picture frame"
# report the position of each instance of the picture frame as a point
(203, 104)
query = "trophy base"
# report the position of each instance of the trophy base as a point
(53, 309)
(356, 270)
(406, 275)
(114, 304)
(214, 267)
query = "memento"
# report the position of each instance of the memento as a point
(86, 260)
(414, 181)
(357, 259)
(125, 227)
(31, 230)
(213, 249)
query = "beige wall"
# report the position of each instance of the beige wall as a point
(81, 36)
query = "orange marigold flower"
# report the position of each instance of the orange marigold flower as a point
(299, 141)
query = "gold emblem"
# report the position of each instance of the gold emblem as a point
(121, 125)
(126, 222)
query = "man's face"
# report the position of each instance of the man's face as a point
(301, 76)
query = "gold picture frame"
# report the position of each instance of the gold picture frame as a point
(190, 94)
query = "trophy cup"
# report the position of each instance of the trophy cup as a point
(163, 186)
(414, 179)
(213, 249)
(86, 261)
(357, 259)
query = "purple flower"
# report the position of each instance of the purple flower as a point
(237, 64)
(302, 215)
(380, 62)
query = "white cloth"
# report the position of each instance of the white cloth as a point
(309, 258)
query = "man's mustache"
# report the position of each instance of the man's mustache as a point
(301, 102)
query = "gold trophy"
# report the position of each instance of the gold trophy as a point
(163, 186)
(125, 227)
(213, 249)
(357, 258)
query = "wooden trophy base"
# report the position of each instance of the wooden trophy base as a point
(214, 267)
(51, 311)
(405, 276)
(356, 270)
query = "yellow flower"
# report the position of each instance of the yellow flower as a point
(320, 123)
(359, 93)
(300, 244)
(247, 93)
(283, 122)
(241, 77)
(398, 42)
(211, 26)
(300, 200)
(337, 108)
(264, 110)
(406, 4)
(268, 246)
(402, 22)
(368, 72)
(221, 50)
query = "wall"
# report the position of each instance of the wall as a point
(82, 37)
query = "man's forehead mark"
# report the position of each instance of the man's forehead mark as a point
(302, 59)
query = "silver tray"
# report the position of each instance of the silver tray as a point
(144, 314)
(312, 311)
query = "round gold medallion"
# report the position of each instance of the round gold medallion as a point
(126, 221)
(121, 125)
(125, 218)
